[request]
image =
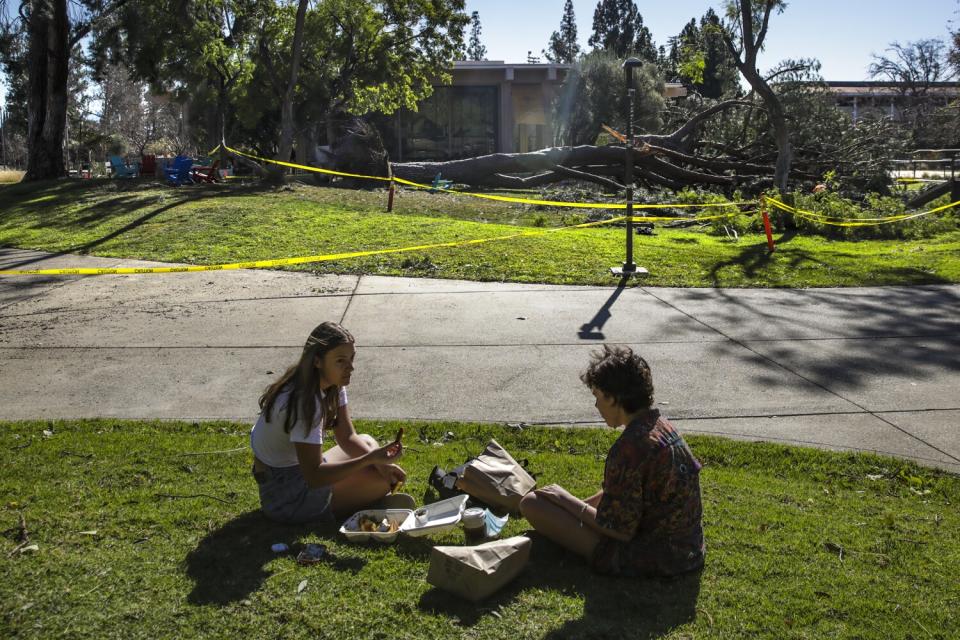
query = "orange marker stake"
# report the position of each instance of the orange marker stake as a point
(766, 225)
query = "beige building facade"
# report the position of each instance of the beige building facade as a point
(489, 107)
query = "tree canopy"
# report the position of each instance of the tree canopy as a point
(563, 46)
(618, 27)
(916, 66)
(594, 94)
(699, 58)
(234, 63)
(475, 49)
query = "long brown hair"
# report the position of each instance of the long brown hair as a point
(303, 381)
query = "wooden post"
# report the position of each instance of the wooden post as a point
(390, 189)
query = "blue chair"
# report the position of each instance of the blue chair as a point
(440, 183)
(179, 172)
(121, 170)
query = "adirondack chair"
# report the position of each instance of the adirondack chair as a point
(122, 170)
(148, 165)
(206, 174)
(179, 172)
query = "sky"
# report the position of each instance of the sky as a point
(840, 33)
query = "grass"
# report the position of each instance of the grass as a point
(229, 223)
(140, 535)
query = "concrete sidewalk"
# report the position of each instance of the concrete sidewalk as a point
(863, 369)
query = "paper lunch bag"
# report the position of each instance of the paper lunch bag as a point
(495, 478)
(476, 572)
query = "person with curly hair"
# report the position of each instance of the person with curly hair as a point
(647, 518)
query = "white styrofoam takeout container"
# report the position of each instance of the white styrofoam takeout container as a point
(351, 528)
(439, 517)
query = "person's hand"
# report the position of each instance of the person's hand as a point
(556, 494)
(553, 492)
(393, 474)
(386, 454)
(562, 498)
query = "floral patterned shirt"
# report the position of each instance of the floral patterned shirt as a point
(651, 492)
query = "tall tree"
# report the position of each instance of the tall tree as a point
(52, 35)
(915, 66)
(48, 49)
(699, 58)
(286, 107)
(954, 54)
(234, 57)
(563, 46)
(208, 67)
(744, 33)
(594, 94)
(720, 75)
(13, 47)
(475, 50)
(618, 27)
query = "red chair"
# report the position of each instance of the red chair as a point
(207, 174)
(148, 165)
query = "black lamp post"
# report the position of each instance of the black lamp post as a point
(629, 268)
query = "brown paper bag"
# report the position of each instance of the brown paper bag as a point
(496, 478)
(476, 572)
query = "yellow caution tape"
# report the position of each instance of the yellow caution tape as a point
(260, 264)
(487, 196)
(856, 222)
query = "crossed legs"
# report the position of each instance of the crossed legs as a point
(357, 490)
(556, 514)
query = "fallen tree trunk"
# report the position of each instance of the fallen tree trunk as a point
(585, 162)
(658, 160)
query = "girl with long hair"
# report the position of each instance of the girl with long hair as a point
(298, 482)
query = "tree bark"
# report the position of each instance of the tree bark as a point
(747, 65)
(659, 160)
(286, 107)
(48, 55)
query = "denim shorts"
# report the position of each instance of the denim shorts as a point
(286, 497)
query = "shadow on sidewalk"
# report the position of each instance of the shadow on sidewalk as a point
(883, 335)
(592, 329)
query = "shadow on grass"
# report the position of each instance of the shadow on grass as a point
(228, 564)
(612, 607)
(753, 260)
(118, 205)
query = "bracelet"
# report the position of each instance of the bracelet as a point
(580, 517)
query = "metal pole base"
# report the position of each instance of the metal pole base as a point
(626, 272)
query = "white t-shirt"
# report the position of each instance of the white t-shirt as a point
(273, 446)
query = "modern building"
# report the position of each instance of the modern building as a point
(490, 107)
(887, 99)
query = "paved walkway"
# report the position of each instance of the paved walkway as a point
(865, 369)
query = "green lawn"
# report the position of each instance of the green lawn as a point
(142, 535)
(231, 223)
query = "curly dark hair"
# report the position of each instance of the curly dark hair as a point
(621, 374)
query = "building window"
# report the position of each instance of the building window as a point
(530, 118)
(453, 123)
